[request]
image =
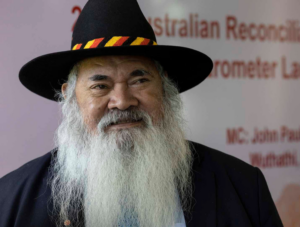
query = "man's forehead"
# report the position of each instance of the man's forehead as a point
(106, 65)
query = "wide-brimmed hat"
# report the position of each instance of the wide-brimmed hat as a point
(113, 27)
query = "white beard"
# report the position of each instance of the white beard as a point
(138, 170)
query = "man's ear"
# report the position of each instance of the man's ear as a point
(64, 90)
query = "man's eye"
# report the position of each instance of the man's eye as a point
(140, 81)
(100, 86)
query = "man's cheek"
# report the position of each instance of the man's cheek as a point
(156, 114)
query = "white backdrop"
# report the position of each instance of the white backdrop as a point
(249, 107)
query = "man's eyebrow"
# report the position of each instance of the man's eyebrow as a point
(98, 77)
(139, 72)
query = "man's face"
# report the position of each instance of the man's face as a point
(118, 82)
(134, 159)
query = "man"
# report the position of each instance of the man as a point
(121, 156)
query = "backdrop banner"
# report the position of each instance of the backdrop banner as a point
(248, 107)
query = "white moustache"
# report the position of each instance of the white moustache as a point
(124, 116)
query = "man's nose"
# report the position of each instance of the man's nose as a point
(122, 98)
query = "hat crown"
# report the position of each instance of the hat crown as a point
(113, 27)
(108, 18)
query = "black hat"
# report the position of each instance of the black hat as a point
(113, 27)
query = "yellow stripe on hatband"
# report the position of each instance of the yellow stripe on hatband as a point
(137, 41)
(112, 41)
(89, 44)
(74, 48)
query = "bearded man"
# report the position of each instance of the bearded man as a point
(122, 158)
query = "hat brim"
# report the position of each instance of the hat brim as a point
(44, 75)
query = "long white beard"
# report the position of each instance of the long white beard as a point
(138, 170)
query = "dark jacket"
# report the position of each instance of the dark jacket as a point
(227, 192)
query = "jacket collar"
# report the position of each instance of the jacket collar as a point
(203, 204)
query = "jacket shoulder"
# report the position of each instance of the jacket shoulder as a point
(239, 184)
(24, 193)
(26, 171)
(229, 172)
(22, 180)
(215, 160)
